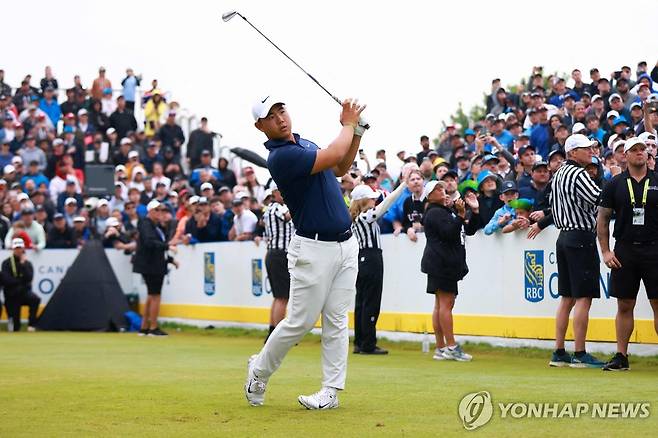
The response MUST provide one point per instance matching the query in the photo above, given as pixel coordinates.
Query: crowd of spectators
(508, 157)
(50, 134)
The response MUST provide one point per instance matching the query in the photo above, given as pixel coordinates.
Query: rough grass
(190, 384)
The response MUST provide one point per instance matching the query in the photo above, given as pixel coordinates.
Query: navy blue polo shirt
(315, 201)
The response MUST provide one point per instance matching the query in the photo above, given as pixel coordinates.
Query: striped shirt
(574, 198)
(278, 230)
(366, 230)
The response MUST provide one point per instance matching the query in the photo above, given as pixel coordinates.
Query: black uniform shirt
(617, 197)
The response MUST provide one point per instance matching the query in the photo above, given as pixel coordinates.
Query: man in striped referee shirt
(574, 199)
(278, 231)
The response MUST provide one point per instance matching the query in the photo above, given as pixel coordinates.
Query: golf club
(227, 16)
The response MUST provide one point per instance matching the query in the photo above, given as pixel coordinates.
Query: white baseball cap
(153, 204)
(596, 97)
(82, 112)
(102, 202)
(112, 222)
(429, 188)
(577, 127)
(110, 131)
(633, 141)
(612, 113)
(125, 140)
(241, 195)
(614, 96)
(648, 138)
(363, 191)
(16, 160)
(194, 200)
(120, 168)
(71, 201)
(79, 219)
(636, 105)
(576, 141)
(22, 196)
(206, 186)
(9, 168)
(17, 243)
(263, 105)
(132, 154)
(58, 141)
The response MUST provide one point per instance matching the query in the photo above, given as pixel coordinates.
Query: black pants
(130, 106)
(368, 301)
(13, 305)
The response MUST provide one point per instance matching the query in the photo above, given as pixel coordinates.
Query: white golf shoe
(254, 388)
(323, 399)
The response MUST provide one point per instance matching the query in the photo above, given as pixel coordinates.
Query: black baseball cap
(556, 152)
(525, 148)
(451, 173)
(509, 186)
(540, 164)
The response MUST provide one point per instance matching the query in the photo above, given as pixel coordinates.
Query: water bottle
(426, 343)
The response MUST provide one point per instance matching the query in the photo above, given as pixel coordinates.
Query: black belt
(324, 237)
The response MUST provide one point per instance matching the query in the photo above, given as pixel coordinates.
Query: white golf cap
(120, 168)
(82, 112)
(241, 195)
(612, 113)
(636, 105)
(429, 188)
(110, 131)
(125, 140)
(112, 222)
(153, 204)
(132, 154)
(206, 186)
(577, 127)
(614, 96)
(576, 141)
(194, 200)
(363, 191)
(648, 138)
(16, 160)
(102, 202)
(79, 219)
(22, 196)
(17, 243)
(633, 141)
(58, 141)
(138, 169)
(596, 97)
(9, 168)
(263, 105)
(71, 201)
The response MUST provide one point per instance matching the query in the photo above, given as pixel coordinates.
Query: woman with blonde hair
(370, 279)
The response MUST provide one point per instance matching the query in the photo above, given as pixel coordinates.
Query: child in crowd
(488, 199)
(505, 214)
(522, 208)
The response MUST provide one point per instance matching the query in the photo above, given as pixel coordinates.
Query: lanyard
(644, 193)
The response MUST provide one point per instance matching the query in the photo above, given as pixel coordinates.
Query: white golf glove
(361, 127)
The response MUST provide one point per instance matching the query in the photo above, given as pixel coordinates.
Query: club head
(226, 16)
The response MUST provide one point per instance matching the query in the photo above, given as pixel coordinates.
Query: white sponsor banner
(509, 276)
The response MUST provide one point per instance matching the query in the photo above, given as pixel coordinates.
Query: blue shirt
(539, 139)
(52, 110)
(315, 201)
(505, 138)
(493, 225)
(129, 88)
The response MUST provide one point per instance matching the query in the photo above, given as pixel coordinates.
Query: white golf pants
(322, 281)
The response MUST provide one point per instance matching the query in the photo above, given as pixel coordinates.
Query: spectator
(154, 110)
(17, 273)
(32, 153)
(23, 96)
(70, 105)
(114, 237)
(5, 89)
(97, 118)
(505, 214)
(227, 177)
(522, 208)
(538, 183)
(130, 84)
(122, 119)
(100, 84)
(205, 167)
(488, 199)
(81, 231)
(201, 139)
(34, 174)
(425, 145)
(255, 189)
(204, 226)
(59, 234)
(412, 208)
(171, 134)
(48, 104)
(108, 104)
(152, 156)
(33, 229)
(244, 222)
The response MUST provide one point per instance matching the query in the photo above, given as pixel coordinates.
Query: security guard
(633, 197)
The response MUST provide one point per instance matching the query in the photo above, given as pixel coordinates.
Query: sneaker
(376, 350)
(323, 399)
(585, 361)
(560, 360)
(31, 329)
(143, 332)
(438, 354)
(157, 332)
(619, 362)
(254, 388)
(456, 353)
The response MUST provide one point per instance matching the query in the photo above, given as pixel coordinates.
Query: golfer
(322, 255)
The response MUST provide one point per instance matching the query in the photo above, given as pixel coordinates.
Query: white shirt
(245, 223)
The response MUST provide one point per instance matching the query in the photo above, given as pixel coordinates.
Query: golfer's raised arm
(338, 152)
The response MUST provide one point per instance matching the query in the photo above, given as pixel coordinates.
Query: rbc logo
(534, 275)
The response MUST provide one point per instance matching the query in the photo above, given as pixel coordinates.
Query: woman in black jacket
(151, 261)
(444, 261)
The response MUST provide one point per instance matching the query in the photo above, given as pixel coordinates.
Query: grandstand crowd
(50, 134)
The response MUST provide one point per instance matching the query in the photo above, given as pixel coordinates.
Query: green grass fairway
(190, 384)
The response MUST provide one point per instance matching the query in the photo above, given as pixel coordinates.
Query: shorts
(276, 263)
(435, 283)
(578, 265)
(638, 262)
(153, 283)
